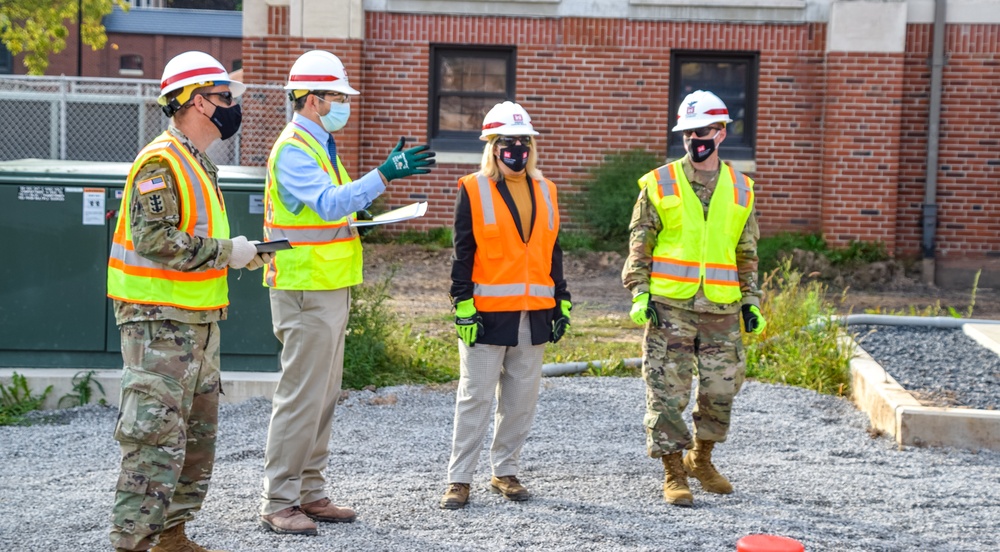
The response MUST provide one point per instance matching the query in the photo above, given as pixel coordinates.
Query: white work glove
(259, 260)
(243, 254)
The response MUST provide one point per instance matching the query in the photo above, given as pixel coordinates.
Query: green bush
(610, 192)
(770, 250)
(435, 238)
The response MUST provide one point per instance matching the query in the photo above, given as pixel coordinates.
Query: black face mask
(515, 157)
(227, 120)
(699, 149)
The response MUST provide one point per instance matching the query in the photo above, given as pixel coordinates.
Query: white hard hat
(195, 68)
(700, 109)
(507, 119)
(318, 70)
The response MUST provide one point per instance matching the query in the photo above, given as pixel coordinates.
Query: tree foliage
(38, 28)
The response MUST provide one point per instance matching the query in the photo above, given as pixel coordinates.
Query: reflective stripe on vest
(136, 279)
(692, 251)
(502, 261)
(326, 254)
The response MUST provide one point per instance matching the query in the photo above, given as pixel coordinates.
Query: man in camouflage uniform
(167, 276)
(692, 268)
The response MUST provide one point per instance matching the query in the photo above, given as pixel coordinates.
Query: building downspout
(930, 208)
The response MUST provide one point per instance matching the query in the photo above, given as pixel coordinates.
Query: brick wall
(841, 137)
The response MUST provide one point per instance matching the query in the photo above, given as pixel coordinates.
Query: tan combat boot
(174, 540)
(698, 464)
(675, 484)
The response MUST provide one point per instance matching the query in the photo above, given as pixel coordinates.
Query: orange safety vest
(508, 274)
(693, 250)
(136, 279)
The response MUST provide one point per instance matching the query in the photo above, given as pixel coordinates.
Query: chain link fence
(94, 119)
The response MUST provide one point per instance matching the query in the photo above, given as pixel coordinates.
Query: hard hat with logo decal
(189, 71)
(318, 70)
(700, 109)
(507, 119)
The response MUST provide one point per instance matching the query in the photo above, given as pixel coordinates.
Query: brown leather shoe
(457, 496)
(290, 521)
(324, 510)
(510, 488)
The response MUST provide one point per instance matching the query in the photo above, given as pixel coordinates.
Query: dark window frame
(6, 61)
(743, 150)
(454, 140)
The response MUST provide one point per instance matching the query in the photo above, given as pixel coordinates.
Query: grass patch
(17, 400)
(793, 350)
(435, 238)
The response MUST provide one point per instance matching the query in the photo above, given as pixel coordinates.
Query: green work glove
(364, 214)
(401, 164)
(468, 323)
(561, 322)
(753, 320)
(641, 311)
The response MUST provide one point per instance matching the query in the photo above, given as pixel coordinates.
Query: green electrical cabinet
(58, 218)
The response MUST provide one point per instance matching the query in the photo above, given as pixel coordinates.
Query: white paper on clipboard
(408, 212)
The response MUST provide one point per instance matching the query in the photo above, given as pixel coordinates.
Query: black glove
(364, 214)
(561, 322)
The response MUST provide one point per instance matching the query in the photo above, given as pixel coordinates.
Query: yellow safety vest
(508, 274)
(136, 279)
(690, 250)
(325, 254)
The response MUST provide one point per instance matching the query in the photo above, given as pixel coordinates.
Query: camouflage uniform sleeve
(643, 230)
(746, 261)
(155, 216)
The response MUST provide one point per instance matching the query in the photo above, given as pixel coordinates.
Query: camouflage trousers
(683, 344)
(166, 427)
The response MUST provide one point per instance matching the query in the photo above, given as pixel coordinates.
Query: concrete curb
(895, 411)
(236, 386)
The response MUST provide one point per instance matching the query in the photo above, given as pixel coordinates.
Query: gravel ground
(804, 465)
(943, 367)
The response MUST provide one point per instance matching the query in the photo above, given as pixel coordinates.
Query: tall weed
(794, 349)
(17, 400)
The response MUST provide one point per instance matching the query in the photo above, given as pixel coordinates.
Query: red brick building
(832, 100)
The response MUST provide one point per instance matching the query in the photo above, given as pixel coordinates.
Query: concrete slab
(896, 412)
(236, 386)
(988, 335)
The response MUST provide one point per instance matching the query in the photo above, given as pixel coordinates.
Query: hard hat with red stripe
(189, 71)
(507, 119)
(318, 70)
(700, 109)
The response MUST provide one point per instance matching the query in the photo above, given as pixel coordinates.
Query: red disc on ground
(768, 543)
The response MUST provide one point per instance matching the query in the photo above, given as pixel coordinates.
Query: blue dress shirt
(301, 182)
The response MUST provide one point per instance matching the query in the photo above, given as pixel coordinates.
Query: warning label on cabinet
(41, 193)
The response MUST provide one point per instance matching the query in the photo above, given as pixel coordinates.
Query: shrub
(610, 193)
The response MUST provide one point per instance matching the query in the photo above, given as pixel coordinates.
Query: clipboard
(272, 246)
(408, 212)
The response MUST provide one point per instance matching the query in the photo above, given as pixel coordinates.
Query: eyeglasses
(227, 97)
(337, 97)
(508, 141)
(700, 132)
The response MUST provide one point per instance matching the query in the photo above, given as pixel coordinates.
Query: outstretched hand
(402, 163)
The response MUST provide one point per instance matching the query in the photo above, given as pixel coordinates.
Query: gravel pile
(804, 466)
(944, 367)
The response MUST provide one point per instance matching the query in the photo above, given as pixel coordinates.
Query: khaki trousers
(513, 375)
(311, 326)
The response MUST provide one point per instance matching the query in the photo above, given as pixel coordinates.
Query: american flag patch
(151, 185)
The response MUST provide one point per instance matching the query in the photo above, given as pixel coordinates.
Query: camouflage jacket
(154, 219)
(646, 226)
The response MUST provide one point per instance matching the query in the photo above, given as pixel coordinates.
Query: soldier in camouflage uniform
(167, 276)
(692, 269)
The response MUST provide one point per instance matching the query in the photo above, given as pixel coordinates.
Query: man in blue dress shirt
(310, 200)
